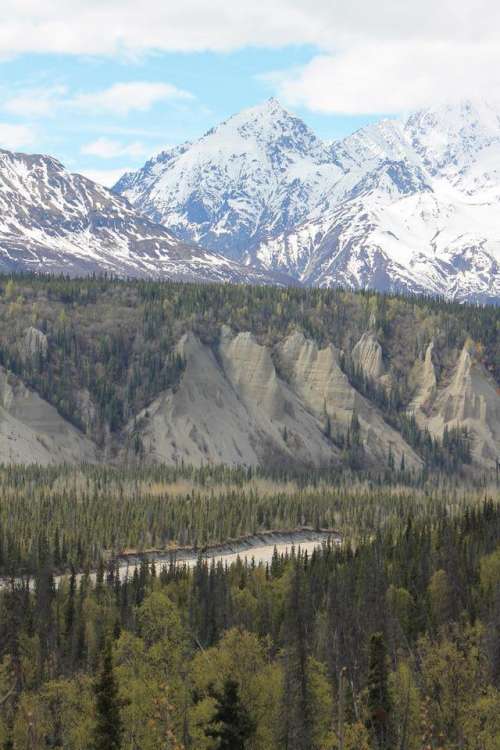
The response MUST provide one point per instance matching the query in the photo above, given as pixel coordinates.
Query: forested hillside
(158, 372)
(389, 641)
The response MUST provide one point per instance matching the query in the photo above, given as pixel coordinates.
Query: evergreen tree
(390, 459)
(379, 703)
(70, 621)
(231, 726)
(355, 429)
(297, 708)
(69, 614)
(108, 730)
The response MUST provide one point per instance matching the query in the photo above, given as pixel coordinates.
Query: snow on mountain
(56, 222)
(253, 175)
(408, 205)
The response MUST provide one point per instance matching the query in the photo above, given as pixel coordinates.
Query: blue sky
(96, 141)
(104, 84)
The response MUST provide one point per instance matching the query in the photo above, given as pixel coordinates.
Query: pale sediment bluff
(34, 344)
(423, 376)
(316, 375)
(231, 408)
(202, 420)
(469, 399)
(243, 403)
(32, 431)
(367, 356)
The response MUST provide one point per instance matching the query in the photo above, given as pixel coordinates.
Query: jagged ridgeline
(107, 371)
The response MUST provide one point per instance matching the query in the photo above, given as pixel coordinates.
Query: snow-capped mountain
(408, 205)
(253, 176)
(56, 222)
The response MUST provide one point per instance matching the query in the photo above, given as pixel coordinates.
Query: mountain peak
(266, 130)
(264, 119)
(271, 106)
(261, 167)
(54, 221)
(402, 204)
(30, 160)
(473, 113)
(272, 103)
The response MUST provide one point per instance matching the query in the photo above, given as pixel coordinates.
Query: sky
(105, 84)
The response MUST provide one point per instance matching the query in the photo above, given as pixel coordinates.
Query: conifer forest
(386, 636)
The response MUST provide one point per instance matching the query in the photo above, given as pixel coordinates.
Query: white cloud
(372, 56)
(111, 27)
(106, 177)
(392, 77)
(13, 137)
(126, 27)
(122, 98)
(35, 102)
(108, 148)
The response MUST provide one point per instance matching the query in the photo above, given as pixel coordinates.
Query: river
(258, 547)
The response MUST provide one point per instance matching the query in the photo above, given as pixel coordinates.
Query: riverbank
(258, 548)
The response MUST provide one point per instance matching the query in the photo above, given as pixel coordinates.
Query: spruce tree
(108, 730)
(69, 614)
(231, 725)
(379, 703)
(69, 622)
(297, 703)
(355, 429)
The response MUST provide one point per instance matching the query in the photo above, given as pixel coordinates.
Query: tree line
(389, 643)
(82, 516)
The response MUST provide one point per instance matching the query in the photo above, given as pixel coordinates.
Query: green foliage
(379, 703)
(297, 704)
(407, 612)
(109, 729)
(76, 517)
(231, 726)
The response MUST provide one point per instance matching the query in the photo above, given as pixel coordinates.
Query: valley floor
(390, 639)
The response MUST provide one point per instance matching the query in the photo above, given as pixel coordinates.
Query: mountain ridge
(258, 182)
(400, 205)
(54, 221)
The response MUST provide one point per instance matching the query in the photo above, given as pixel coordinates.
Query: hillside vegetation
(349, 378)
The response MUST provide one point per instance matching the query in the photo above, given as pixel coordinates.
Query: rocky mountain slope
(408, 205)
(101, 371)
(53, 221)
(255, 175)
